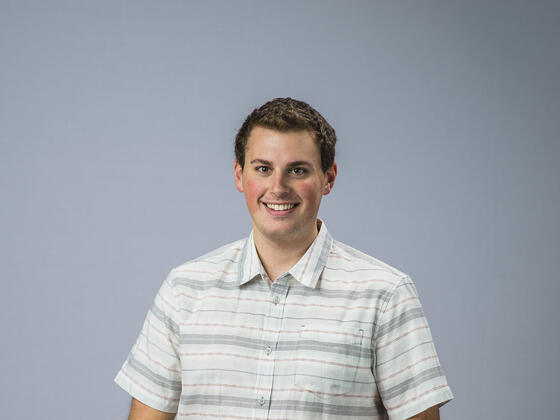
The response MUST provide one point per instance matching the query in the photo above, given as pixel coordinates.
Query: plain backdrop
(117, 121)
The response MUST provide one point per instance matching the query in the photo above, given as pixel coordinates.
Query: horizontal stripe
(214, 272)
(221, 416)
(156, 362)
(356, 270)
(295, 291)
(162, 333)
(268, 360)
(228, 313)
(401, 302)
(153, 377)
(406, 368)
(423, 394)
(188, 325)
(399, 321)
(339, 293)
(395, 356)
(291, 375)
(153, 345)
(268, 300)
(219, 261)
(167, 321)
(401, 337)
(279, 404)
(280, 346)
(254, 388)
(413, 382)
(144, 388)
(357, 281)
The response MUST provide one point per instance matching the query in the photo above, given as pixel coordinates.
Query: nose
(279, 186)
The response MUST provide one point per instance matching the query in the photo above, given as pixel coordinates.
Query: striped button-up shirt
(341, 335)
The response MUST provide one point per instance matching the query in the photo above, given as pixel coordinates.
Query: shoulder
(219, 262)
(360, 268)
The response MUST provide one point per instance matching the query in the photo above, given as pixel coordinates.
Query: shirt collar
(306, 271)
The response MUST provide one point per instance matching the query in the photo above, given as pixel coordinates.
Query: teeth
(280, 206)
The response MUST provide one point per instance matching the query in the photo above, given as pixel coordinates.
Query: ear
(330, 177)
(238, 174)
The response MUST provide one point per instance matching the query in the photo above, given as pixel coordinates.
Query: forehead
(265, 143)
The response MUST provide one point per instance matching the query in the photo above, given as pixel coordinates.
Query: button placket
(271, 331)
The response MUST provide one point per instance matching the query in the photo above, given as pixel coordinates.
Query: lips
(280, 207)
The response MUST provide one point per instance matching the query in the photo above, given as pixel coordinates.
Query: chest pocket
(328, 359)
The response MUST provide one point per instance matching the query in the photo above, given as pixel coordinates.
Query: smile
(280, 207)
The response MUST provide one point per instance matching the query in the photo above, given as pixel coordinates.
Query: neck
(278, 256)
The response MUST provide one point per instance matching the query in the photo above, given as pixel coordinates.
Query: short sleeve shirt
(341, 335)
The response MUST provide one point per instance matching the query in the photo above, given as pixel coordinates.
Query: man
(288, 323)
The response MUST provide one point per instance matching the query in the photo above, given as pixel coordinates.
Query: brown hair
(287, 114)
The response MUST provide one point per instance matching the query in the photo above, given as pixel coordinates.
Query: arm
(431, 413)
(139, 411)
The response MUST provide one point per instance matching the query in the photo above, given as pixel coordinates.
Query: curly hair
(287, 114)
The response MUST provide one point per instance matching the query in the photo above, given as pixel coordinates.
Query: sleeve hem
(143, 396)
(438, 398)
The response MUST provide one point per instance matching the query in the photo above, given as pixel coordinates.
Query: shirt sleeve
(152, 372)
(407, 369)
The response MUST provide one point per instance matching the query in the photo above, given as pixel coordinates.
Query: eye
(298, 171)
(262, 169)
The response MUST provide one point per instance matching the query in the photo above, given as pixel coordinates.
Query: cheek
(253, 191)
(310, 191)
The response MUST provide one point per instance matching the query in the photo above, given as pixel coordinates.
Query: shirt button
(276, 299)
(261, 400)
(268, 350)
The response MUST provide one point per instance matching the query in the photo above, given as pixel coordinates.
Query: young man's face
(283, 184)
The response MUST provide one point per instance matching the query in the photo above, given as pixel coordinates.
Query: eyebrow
(295, 163)
(262, 161)
(300, 163)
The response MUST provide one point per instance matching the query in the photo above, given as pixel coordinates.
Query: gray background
(116, 126)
